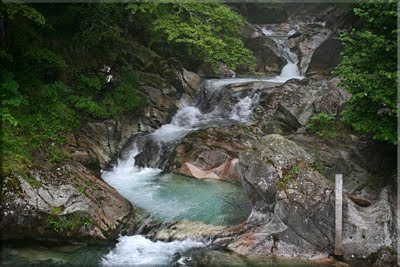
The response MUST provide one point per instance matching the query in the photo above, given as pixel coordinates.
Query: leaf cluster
(206, 31)
(323, 125)
(369, 71)
(51, 83)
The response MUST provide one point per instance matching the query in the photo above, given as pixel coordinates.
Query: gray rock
(67, 203)
(293, 208)
(325, 57)
(368, 229)
(285, 109)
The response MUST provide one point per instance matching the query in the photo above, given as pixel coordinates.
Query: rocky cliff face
(68, 201)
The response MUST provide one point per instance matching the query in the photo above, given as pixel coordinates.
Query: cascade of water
(290, 70)
(167, 198)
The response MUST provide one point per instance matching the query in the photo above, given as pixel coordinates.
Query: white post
(338, 214)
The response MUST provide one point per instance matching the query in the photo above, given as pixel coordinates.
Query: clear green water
(172, 197)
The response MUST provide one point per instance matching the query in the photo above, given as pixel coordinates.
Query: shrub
(323, 125)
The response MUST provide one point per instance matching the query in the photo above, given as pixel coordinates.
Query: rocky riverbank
(285, 167)
(68, 201)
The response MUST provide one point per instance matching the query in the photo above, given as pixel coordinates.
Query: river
(168, 197)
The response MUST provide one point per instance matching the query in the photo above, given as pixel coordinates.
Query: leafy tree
(369, 71)
(49, 76)
(207, 31)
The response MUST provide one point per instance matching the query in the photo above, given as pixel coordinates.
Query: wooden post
(338, 214)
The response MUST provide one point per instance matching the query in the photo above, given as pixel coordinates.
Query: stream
(170, 197)
(138, 176)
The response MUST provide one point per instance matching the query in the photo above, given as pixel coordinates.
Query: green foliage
(82, 189)
(206, 31)
(323, 125)
(290, 175)
(102, 28)
(369, 71)
(11, 10)
(56, 210)
(32, 181)
(71, 222)
(50, 80)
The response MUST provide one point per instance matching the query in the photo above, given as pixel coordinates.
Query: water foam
(243, 109)
(138, 250)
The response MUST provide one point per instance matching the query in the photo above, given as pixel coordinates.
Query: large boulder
(287, 108)
(64, 203)
(268, 61)
(211, 153)
(325, 57)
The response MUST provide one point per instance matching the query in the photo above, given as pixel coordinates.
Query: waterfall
(290, 70)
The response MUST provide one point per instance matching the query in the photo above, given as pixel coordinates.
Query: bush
(369, 71)
(323, 125)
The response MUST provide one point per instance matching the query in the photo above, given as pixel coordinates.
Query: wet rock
(368, 229)
(154, 154)
(307, 45)
(267, 60)
(257, 168)
(186, 230)
(311, 31)
(285, 193)
(224, 71)
(352, 157)
(332, 102)
(211, 153)
(206, 70)
(192, 79)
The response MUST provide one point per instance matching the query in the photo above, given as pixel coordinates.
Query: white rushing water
(138, 250)
(290, 70)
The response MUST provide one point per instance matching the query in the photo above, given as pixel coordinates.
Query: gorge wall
(286, 171)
